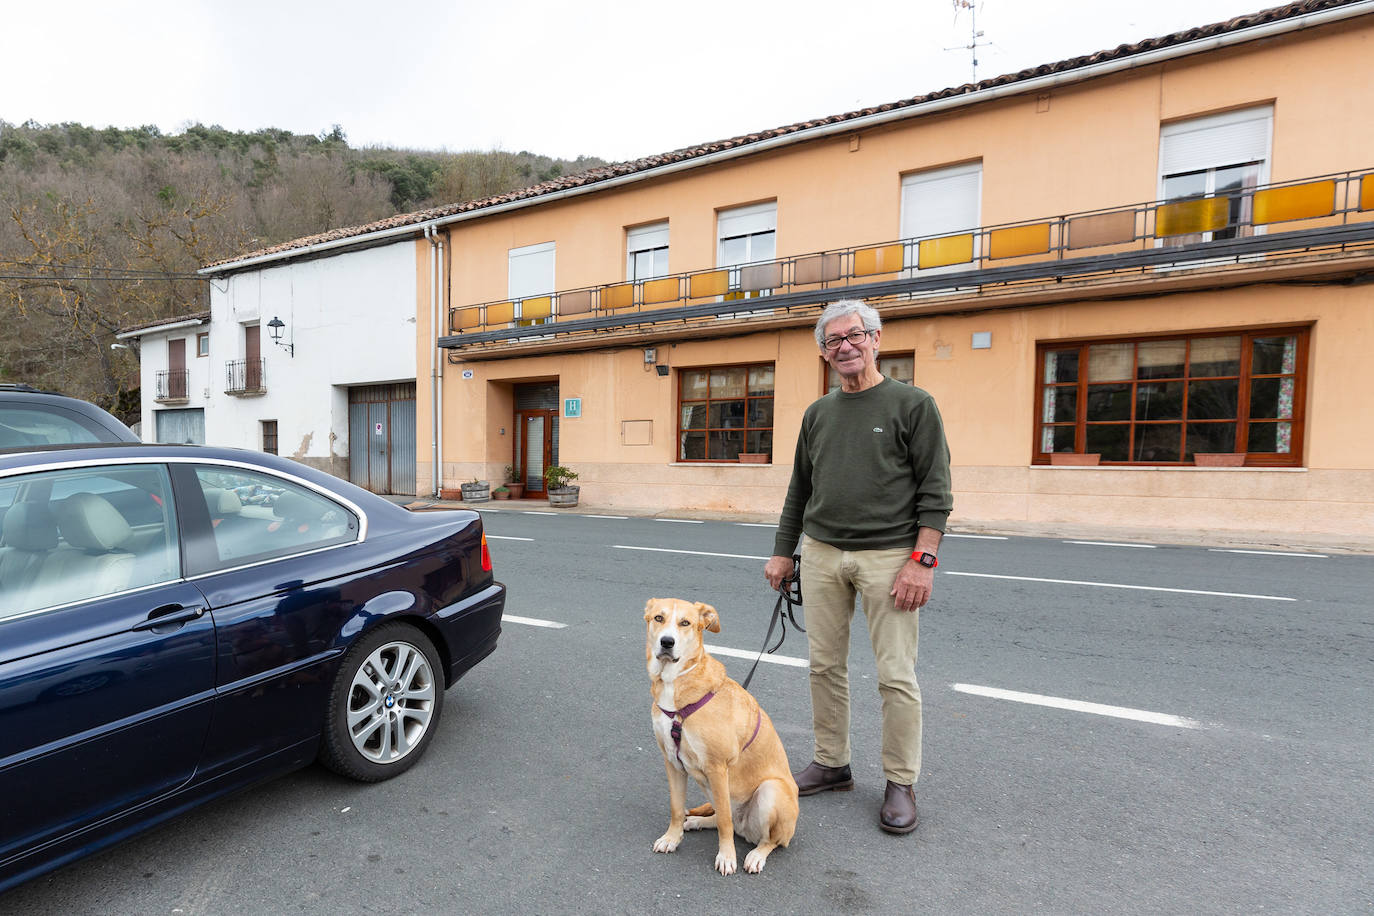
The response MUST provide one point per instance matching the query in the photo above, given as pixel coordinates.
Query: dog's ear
(709, 618)
(649, 607)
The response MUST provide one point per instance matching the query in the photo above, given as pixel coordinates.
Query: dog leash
(789, 593)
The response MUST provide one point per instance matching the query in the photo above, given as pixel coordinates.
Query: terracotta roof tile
(615, 170)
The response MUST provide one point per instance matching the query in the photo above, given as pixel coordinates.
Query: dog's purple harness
(677, 715)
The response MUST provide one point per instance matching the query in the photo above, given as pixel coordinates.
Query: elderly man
(869, 497)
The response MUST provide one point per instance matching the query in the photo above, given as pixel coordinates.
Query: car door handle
(170, 614)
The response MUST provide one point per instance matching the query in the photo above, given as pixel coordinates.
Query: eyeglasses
(855, 337)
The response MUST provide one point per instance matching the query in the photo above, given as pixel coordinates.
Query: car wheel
(384, 705)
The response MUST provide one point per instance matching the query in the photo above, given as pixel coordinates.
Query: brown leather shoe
(898, 814)
(817, 777)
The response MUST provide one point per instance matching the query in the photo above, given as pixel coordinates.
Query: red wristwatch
(928, 560)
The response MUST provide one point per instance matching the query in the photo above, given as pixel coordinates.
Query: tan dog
(711, 729)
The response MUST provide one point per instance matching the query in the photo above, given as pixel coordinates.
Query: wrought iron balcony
(172, 386)
(1145, 239)
(245, 377)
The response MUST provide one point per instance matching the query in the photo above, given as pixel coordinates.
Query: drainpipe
(436, 359)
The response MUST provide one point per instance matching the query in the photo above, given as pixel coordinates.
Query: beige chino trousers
(831, 580)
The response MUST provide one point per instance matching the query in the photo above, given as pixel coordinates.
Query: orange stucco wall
(1087, 146)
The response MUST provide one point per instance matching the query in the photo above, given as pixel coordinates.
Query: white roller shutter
(941, 201)
(1212, 142)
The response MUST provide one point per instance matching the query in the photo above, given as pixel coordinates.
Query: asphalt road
(1226, 766)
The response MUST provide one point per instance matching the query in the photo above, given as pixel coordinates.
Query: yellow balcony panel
(1367, 192)
(1300, 201)
(714, 283)
(500, 313)
(1019, 241)
(1102, 229)
(665, 290)
(578, 302)
(952, 249)
(818, 268)
(539, 307)
(466, 319)
(1185, 217)
(884, 259)
(620, 296)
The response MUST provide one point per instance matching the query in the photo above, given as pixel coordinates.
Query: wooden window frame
(746, 429)
(827, 369)
(1245, 380)
(269, 436)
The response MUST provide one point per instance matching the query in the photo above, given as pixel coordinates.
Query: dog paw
(697, 823)
(725, 863)
(753, 863)
(667, 842)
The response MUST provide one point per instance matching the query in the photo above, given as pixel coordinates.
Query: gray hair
(844, 307)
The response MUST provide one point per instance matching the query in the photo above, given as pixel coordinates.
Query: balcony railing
(245, 377)
(172, 386)
(1190, 227)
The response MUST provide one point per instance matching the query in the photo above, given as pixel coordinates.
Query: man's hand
(777, 569)
(913, 588)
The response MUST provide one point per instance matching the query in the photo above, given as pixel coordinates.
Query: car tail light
(486, 554)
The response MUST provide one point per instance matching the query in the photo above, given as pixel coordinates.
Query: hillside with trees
(104, 228)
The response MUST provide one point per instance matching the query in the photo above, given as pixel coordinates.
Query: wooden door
(176, 368)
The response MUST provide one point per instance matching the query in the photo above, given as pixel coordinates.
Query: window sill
(1157, 467)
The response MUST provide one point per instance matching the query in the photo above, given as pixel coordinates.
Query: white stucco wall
(351, 318)
(153, 358)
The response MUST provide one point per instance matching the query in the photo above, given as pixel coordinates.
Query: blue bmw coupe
(177, 622)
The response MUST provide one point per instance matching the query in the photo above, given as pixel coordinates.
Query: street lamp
(275, 327)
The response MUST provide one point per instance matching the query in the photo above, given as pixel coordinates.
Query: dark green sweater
(871, 467)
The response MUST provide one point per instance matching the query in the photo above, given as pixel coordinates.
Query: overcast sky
(603, 78)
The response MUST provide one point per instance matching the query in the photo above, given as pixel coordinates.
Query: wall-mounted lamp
(275, 327)
(662, 370)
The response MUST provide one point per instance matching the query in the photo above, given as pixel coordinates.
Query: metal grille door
(381, 437)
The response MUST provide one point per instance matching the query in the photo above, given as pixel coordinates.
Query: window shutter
(531, 271)
(747, 220)
(1220, 140)
(941, 201)
(643, 238)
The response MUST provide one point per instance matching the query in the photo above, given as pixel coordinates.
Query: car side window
(82, 533)
(32, 426)
(256, 516)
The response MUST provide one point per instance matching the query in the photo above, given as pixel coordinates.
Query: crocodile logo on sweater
(877, 429)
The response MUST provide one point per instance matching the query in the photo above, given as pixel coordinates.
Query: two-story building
(1117, 274)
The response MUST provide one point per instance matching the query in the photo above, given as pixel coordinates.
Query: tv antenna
(973, 34)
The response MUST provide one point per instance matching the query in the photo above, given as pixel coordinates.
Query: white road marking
(1268, 553)
(1142, 588)
(1097, 709)
(979, 537)
(771, 659)
(755, 525)
(619, 517)
(506, 537)
(1111, 544)
(534, 622)
(695, 553)
(533, 512)
(680, 521)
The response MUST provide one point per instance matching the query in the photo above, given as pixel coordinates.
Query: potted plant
(451, 493)
(476, 491)
(560, 488)
(1079, 459)
(1219, 459)
(515, 486)
(501, 492)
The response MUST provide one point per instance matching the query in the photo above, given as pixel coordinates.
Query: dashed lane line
(1268, 553)
(1140, 588)
(1097, 709)
(1111, 544)
(534, 622)
(695, 553)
